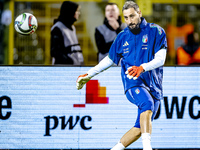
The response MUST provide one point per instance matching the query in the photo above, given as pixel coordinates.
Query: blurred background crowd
(179, 18)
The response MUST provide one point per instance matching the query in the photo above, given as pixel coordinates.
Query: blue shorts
(143, 100)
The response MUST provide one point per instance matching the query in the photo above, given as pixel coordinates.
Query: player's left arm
(160, 51)
(159, 60)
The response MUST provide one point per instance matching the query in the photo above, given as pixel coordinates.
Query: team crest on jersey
(156, 26)
(137, 91)
(145, 38)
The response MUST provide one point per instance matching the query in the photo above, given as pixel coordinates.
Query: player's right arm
(103, 65)
(106, 63)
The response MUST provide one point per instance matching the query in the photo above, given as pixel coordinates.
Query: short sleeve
(161, 41)
(114, 53)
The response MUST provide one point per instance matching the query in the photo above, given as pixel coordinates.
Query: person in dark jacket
(105, 34)
(189, 53)
(65, 48)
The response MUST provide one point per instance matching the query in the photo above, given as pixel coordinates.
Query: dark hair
(191, 38)
(111, 4)
(68, 8)
(107, 4)
(67, 12)
(130, 4)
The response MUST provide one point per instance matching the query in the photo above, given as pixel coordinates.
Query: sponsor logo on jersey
(125, 44)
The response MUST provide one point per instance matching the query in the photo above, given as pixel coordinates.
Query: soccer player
(142, 49)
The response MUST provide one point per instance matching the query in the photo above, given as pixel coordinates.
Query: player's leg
(131, 136)
(145, 103)
(146, 128)
(141, 99)
(149, 109)
(145, 121)
(142, 127)
(134, 133)
(147, 117)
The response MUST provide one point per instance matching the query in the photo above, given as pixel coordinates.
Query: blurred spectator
(105, 34)
(65, 48)
(5, 20)
(6, 17)
(189, 53)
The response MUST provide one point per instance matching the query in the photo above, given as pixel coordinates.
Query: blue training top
(136, 49)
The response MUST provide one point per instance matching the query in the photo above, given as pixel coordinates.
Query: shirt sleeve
(103, 65)
(158, 61)
(114, 52)
(161, 41)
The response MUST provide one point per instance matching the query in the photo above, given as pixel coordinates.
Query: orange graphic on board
(95, 94)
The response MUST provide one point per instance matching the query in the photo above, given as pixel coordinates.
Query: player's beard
(135, 27)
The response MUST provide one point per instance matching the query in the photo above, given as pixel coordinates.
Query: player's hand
(134, 72)
(82, 80)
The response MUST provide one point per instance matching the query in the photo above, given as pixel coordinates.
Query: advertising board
(40, 108)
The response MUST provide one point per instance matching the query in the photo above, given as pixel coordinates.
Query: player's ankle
(146, 141)
(118, 146)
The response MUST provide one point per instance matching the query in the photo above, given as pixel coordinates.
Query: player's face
(112, 11)
(132, 18)
(77, 13)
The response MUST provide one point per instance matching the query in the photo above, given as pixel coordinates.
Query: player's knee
(137, 125)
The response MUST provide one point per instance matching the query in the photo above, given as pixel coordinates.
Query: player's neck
(135, 31)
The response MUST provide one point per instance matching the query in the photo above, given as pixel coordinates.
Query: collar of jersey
(143, 23)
